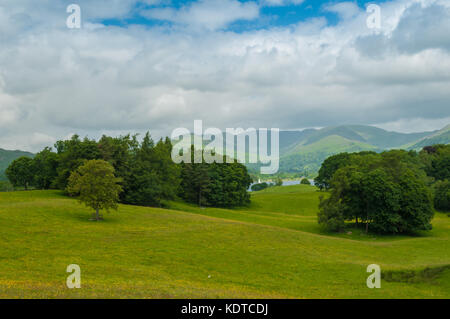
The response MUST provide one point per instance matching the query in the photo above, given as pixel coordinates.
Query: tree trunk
(367, 218)
(367, 224)
(357, 222)
(97, 215)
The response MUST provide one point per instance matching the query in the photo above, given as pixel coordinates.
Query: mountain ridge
(303, 151)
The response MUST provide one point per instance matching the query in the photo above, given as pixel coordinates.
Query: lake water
(286, 183)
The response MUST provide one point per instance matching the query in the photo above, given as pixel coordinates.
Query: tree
(196, 182)
(442, 195)
(259, 187)
(96, 186)
(436, 160)
(20, 172)
(329, 167)
(153, 175)
(233, 191)
(335, 162)
(305, 181)
(71, 155)
(217, 184)
(278, 182)
(386, 192)
(45, 165)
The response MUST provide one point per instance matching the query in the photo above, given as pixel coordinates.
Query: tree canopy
(20, 172)
(387, 192)
(146, 172)
(96, 185)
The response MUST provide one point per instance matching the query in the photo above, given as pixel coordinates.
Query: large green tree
(71, 155)
(153, 177)
(215, 184)
(386, 192)
(45, 165)
(442, 195)
(436, 159)
(96, 185)
(20, 172)
(329, 167)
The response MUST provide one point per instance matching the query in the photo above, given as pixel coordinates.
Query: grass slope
(272, 249)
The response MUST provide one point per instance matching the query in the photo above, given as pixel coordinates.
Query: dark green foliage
(217, 184)
(436, 159)
(442, 195)
(71, 155)
(330, 215)
(259, 187)
(305, 181)
(386, 192)
(329, 167)
(153, 176)
(45, 165)
(228, 187)
(6, 158)
(145, 171)
(20, 172)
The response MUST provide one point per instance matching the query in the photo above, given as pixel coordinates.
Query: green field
(272, 249)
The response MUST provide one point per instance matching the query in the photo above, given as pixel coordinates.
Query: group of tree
(436, 160)
(144, 172)
(259, 186)
(305, 181)
(223, 184)
(387, 192)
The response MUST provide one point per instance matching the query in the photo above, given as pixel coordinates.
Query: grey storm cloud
(113, 80)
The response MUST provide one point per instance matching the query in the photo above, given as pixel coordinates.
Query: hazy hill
(368, 134)
(303, 152)
(439, 137)
(6, 157)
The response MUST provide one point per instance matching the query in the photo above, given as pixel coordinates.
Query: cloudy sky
(137, 65)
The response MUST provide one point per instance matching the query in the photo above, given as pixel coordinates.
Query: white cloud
(415, 125)
(113, 80)
(278, 3)
(207, 14)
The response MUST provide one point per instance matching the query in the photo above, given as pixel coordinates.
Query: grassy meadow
(272, 249)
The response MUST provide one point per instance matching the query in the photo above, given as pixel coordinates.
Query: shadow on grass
(351, 231)
(428, 275)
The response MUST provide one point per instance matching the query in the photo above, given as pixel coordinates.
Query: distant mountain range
(302, 152)
(6, 157)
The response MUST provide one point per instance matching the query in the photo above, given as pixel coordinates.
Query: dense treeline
(146, 172)
(389, 192)
(218, 184)
(436, 160)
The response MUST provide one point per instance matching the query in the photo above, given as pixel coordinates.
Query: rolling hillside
(272, 249)
(6, 157)
(440, 137)
(302, 153)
